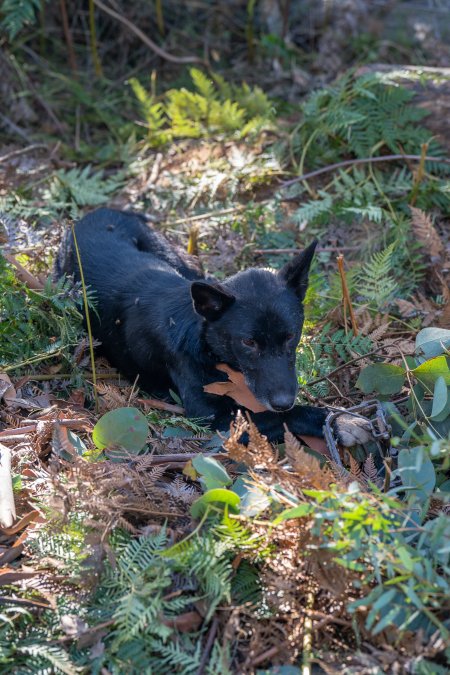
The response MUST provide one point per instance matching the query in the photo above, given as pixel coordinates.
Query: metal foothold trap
(372, 412)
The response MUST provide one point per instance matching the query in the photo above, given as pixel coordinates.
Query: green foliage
(37, 325)
(323, 351)
(16, 14)
(69, 190)
(359, 114)
(123, 427)
(375, 280)
(213, 108)
(431, 374)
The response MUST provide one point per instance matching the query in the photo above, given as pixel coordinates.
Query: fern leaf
(426, 233)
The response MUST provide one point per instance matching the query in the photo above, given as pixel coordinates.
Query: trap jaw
(372, 412)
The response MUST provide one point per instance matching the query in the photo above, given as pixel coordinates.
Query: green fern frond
(17, 14)
(376, 281)
(312, 210)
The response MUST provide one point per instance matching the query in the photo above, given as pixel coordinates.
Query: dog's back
(112, 241)
(133, 274)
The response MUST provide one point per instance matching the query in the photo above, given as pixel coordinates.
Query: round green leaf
(417, 471)
(429, 371)
(441, 403)
(432, 341)
(218, 495)
(383, 378)
(124, 427)
(212, 472)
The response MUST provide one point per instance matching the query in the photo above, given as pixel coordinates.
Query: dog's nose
(281, 402)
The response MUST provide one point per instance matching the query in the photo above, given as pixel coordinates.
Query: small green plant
(213, 108)
(17, 15)
(69, 190)
(37, 325)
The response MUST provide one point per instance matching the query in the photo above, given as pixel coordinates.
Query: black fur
(160, 319)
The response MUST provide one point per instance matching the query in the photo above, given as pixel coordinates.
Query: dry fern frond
(370, 470)
(355, 468)
(426, 233)
(306, 465)
(258, 454)
(180, 490)
(111, 397)
(378, 333)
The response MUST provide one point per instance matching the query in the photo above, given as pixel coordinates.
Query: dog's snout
(281, 402)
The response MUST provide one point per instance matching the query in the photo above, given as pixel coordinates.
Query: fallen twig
(208, 645)
(22, 151)
(365, 160)
(319, 249)
(146, 40)
(31, 426)
(346, 294)
(162, 405)
(24, 275)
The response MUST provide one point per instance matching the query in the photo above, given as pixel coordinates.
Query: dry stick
(205, 216)
(67, 376)
(319, 249)
(346, 294)
(23, 151)
(68, 37)
(162, 405)
(24, 275)
(365, 160)
(265, 656)
(349, 363)
(208, 646)
(146, 40)
(32, 424)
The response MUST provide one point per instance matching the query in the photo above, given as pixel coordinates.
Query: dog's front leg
(301, 420)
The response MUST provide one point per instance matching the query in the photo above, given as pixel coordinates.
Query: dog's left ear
(210, 300)
(295, 273)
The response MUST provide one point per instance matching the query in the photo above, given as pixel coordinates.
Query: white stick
(7, 506)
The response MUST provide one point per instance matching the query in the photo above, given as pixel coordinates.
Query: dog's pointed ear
(295, 272)
(210, 300)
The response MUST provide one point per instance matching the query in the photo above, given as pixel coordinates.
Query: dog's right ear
(295, 273)
(210, 301)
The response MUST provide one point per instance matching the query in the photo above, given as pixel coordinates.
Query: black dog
(160, 319)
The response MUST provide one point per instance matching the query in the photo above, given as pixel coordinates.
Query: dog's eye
(248, 342)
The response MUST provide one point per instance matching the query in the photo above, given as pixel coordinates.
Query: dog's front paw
(352, 430)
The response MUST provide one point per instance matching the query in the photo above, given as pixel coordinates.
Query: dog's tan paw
(351, 430)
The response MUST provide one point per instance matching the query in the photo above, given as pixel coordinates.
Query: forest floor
(183, 551)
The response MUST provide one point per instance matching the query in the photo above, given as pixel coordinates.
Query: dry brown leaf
(426, 232)
(236, 388)
(184, 623)
(406, 308)
(7, 391)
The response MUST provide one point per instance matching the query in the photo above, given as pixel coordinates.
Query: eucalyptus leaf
(429, 371)
(212, 473)
(432, 341)
(124, 427)
(416, 471)
(441, 402)
(383, 378)
(218, 496)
